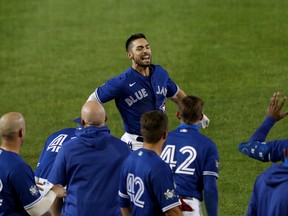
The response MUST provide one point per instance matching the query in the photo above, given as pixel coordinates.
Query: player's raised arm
(256, 147)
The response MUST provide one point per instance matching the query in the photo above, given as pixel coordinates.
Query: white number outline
(131, 181)
(183, 168)
(168, 155)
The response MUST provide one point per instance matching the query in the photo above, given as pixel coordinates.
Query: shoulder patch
(169, 194)
(34, 190)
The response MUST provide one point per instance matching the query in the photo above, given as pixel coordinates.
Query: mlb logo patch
(169, 194)
(34, 190)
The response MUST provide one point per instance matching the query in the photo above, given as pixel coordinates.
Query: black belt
(139, 139)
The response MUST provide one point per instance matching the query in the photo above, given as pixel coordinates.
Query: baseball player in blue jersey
(19, 194)
(146, 182)
(89, 165)
(193, 159)
(257, 147)
(51, 148)
(141, 88)
(46, 160)
(269, 196)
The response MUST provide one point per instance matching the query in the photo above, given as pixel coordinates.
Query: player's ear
(83, 122)
(20, 133)
(130, 55)
(178, 115)
(106, 118)
(201, 116)
(165, 134)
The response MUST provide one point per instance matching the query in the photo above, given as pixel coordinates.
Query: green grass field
(231, 53)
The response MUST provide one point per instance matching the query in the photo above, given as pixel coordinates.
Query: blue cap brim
(78, 120)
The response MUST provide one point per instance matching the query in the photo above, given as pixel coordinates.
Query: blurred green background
(231, 53)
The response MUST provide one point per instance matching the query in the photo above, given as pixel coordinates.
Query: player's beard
(143, 62)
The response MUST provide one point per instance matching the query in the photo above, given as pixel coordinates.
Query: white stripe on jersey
(210, 173)
(123, 195)
(32, 204)
(166, 208)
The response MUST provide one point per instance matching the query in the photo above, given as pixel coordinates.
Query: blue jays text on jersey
(135, 94)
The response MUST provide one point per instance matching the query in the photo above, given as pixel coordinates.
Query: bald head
(11, 124)
(93, 113)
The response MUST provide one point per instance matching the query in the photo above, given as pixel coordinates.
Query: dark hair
(132, 38)
(153, 126)
(190, 109)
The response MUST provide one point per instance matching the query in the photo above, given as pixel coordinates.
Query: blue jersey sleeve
(211, 195)
(172, 88)
(261, 133)
(25, 186)
(258, 149)
(123, 197)
(110, 90)
(211, 166)
(163, 185)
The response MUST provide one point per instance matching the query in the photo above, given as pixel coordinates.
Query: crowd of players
(149, 171)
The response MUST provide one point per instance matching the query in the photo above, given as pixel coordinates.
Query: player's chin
(146, 64)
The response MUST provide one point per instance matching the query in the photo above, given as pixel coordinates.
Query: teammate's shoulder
(118, 143)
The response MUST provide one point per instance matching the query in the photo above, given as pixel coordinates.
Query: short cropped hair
(132, 38)
(153, 126)
(190, 109)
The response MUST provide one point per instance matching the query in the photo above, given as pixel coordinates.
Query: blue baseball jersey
(135, 94)
(191, 155)
(269, 196)
(146, 184)
(18, 191)
(51, 148)
(89, 166)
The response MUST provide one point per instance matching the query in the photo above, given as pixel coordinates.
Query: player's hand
(205, 121)
(275, 107)
(59, 190)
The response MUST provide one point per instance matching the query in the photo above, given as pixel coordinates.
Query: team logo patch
(169, 194)
(34, 190)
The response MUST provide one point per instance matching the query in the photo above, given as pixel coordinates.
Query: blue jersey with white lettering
(146, 184)
(52, 146)
(135, 94)
(89, 166)
(191, 155)
(18, 191)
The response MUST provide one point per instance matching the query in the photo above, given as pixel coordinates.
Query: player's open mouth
(147, 58)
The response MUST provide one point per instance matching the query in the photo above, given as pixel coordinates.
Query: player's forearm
(126, 211)
(173, 212)
(43, 205)
(181, 94)
(261, 133)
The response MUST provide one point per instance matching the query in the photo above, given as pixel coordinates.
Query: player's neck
(145, 71)
(157, 147)
(10, 147)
